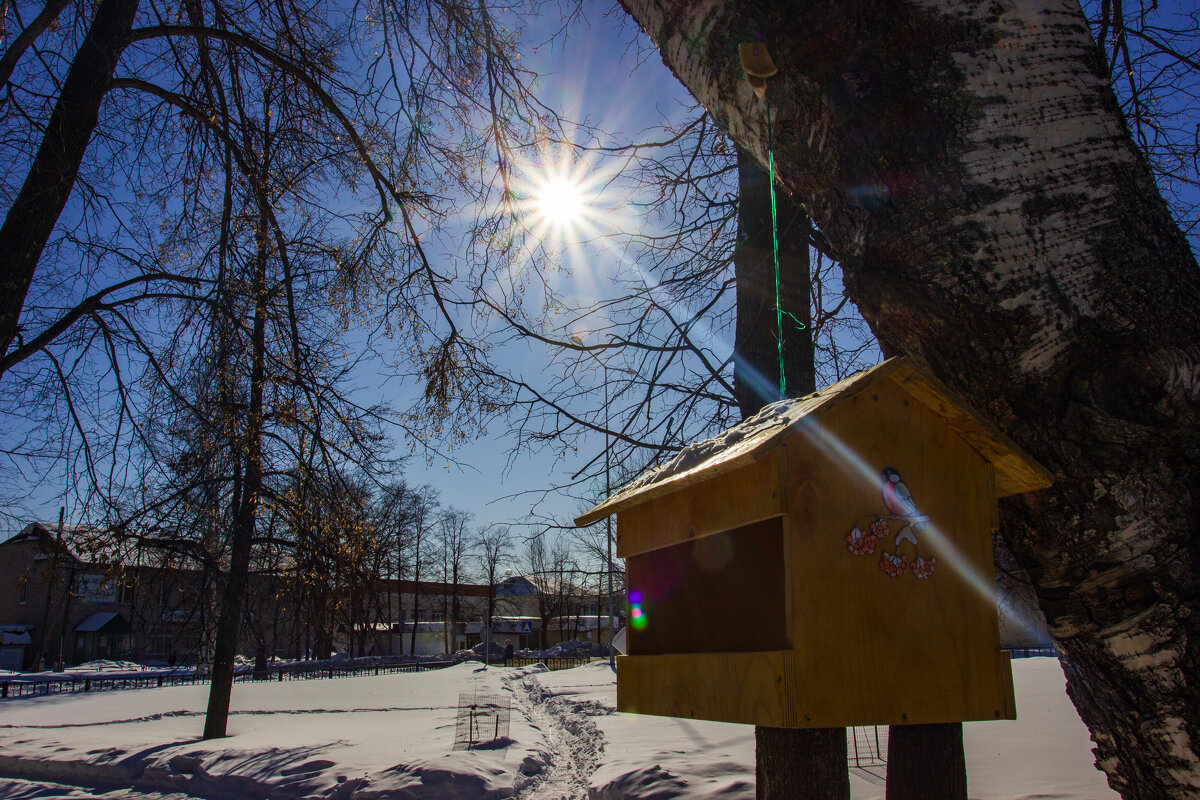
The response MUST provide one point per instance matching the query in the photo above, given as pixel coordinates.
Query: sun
(560, 201)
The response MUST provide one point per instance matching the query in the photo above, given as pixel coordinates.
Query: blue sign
(526, 628)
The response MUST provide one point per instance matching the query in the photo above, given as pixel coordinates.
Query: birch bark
(969, 164)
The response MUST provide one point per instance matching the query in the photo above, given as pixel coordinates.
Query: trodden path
(576, 742)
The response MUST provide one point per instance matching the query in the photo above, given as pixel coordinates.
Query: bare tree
(424, 514)
(393, 516)
(115, 120)
(1153, 60)
(551, 567)
(454, 544)
(492, 548)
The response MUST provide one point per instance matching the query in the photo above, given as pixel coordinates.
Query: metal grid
(866, 749)
(482, 720)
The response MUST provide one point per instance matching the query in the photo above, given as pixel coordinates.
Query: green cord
(775, 251)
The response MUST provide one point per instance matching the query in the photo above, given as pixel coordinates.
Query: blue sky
(594, 76)
(601, 75)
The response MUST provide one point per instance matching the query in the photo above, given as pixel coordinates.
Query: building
(77, 595)
(73, 595)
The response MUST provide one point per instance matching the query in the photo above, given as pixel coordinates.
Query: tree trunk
(970, 168)
(926, 762)
(786, 761)
(800, 764)
(756, 364)
(51, 177)
(233, 598)
(412, 639)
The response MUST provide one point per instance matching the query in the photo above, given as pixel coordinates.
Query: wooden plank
(1016, 470)
(876, 649)
(718, 593)
(730, 687)
(747, 495)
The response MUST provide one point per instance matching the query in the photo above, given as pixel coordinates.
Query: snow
(393, 737)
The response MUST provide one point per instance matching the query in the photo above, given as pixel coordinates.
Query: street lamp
(577, 339)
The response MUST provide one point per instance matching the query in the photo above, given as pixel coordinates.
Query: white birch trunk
(995, 221)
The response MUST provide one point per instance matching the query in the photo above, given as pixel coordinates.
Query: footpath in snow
(393, 737)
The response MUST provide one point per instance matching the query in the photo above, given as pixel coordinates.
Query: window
(97, 588)
(160, 645)
(23, 591)
(125, 591)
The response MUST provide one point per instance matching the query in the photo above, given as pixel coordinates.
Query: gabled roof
(88, 545)
(743, 444)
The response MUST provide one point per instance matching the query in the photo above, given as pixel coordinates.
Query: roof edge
(820, 400)
(1016, 471)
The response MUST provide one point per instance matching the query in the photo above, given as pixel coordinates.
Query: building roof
(100, 547)
(438, 588)
(743, 444)
(516, 586)
(15, 635)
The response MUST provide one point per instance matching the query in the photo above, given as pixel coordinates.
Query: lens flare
(637, 615)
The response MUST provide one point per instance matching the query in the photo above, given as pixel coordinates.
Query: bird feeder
(826, 563)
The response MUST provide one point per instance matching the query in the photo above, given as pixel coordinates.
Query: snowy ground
(393, 737)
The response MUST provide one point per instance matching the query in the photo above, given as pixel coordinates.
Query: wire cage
(483, 721)
(866, 752)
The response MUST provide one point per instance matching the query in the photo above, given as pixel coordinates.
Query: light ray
(982, 585)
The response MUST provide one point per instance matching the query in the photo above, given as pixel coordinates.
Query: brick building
(78, 595)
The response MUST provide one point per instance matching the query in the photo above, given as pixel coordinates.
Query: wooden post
(926, 762)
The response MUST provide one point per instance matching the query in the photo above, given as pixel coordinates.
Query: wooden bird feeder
(826, 563)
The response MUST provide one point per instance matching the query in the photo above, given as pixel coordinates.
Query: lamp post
(607, 520)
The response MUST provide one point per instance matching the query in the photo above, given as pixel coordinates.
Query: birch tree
(969, 167)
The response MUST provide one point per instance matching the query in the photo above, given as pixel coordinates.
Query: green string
(775, 250)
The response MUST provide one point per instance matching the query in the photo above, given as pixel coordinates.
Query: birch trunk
(969, 164)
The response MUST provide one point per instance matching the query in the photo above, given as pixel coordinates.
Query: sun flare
(561, 201)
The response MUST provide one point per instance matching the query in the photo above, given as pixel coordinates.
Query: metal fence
(1031, 652)
(551, 663)
(39, 687)
(866, 752)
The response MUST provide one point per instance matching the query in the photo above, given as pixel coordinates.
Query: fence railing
(568, 663)
(555, 663)
(1031, 652)
(12, 688)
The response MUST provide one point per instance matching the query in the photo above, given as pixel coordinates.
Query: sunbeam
(835, 449)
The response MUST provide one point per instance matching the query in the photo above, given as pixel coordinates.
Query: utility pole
(608, 538)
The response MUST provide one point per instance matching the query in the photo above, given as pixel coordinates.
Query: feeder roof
(1016, 471)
